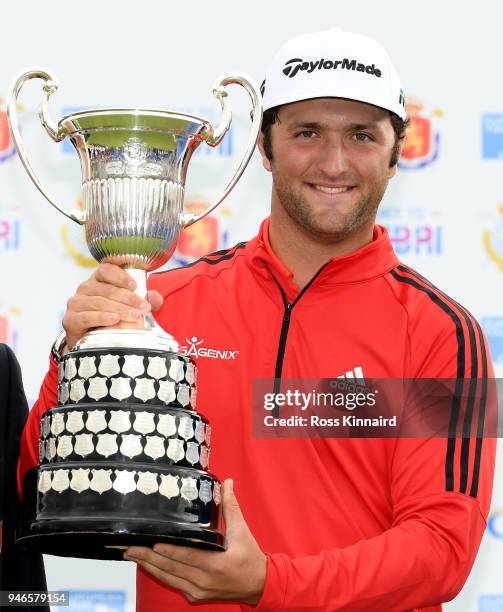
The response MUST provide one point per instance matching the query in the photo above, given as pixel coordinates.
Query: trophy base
(91, 525)
(106, 539)
(123, 456)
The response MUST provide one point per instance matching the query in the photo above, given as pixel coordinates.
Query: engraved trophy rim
(65, 123)
(127, 338)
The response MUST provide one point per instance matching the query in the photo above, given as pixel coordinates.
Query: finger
(78, 325)
(92, 287)
(186, 587)
(100, 304)
(233, 516)
(155, 299)
(165, 564)
(89, 319)
(113, 275)
(193, 557)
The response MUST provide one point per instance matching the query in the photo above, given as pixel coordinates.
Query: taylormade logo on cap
(293, 66)
(333, 64)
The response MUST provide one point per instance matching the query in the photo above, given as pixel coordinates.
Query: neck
(302, 252)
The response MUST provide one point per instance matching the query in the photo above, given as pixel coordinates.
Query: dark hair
(271, 116)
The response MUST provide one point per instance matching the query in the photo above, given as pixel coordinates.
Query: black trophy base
(93, 525)
(108, 539)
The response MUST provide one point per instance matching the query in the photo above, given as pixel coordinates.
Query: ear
(393, 169)
(260, 144)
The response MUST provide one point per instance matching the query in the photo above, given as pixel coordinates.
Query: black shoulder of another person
(19, 570)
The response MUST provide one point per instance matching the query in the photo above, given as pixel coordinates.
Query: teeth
(331, 189)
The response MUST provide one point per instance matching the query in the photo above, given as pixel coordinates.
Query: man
(321, 524)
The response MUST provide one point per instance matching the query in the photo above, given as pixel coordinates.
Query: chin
(328, 230)
(329, 222)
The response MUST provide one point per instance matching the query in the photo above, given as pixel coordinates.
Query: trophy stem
(145, 333)
(140, 278)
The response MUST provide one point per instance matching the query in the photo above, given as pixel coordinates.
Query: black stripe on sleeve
(218, 256)
(211, 258)
(480, 424)
(453, 421)
(474, 381)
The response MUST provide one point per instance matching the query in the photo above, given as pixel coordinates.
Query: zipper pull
(288, 310)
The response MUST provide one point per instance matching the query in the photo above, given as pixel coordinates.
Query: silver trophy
(124, 456)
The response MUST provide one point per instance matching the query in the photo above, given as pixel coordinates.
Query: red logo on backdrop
(419, 138)
(422, 144)
(4, 329)
(9, 326)
(202, 237)
(7, 148)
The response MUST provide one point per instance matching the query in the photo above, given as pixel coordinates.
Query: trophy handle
(51, 127)
(214, 135)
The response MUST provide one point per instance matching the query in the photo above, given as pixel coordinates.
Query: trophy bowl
(134, 166)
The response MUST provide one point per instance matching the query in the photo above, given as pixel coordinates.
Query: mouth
(331, 191)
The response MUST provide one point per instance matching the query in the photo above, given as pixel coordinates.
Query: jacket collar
(371, 261)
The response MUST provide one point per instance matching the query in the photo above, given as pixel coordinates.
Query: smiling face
(330, 165)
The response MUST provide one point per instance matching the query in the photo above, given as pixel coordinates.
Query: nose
(333, 158)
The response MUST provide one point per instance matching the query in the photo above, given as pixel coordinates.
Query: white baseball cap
(333, 64)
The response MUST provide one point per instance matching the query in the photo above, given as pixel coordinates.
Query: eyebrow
(371, 125)
(315, 125)
(306, 125)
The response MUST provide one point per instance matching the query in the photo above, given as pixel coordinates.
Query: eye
(306, 134)
(362, 137)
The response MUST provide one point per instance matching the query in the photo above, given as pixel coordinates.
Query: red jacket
(347, 524)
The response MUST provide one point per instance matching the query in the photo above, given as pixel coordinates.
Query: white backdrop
(444, 210)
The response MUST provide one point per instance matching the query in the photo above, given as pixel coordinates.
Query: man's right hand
(106, 299)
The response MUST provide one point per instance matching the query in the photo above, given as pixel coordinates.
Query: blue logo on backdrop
(416, 239)
(495, 524)
(97, 601)
(9, 234)
(412, 231)
(492, 136)
(493, 327)
(491, 603)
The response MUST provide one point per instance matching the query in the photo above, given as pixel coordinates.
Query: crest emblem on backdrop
(422, 144)
(7, 147)
(493, 240)
(201, 238)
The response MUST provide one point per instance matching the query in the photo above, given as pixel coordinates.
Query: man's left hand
(238, 574)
